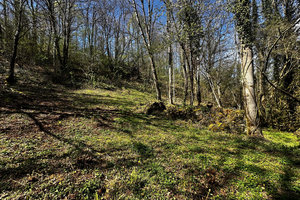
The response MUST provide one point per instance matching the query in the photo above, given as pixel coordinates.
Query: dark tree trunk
(155, 79)
(186, 78)
(171, 84)
(261, 88)
(191, 74)
(146, 34)
(198, 94)
(1, 38)
(18, 14)
(4, 34)
(11, 78)
(287, 82)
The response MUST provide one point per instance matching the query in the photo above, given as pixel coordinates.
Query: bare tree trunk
(191, 74)
(237, 102)
(34, 42)
(252, 117)
(117, 39)
(50, 7)
(1, 38)
(11, 79)
(155, 79)
(174, 94)
(186, 79)
(219, 94)
(198, 93)
(261, 86)
(146, 34)
(67, 32)
(49, 41)
(171, 84)
(212, 87)
(170, 53)
(54, 58)
(239, 94)
(18, 15)
(5, 23)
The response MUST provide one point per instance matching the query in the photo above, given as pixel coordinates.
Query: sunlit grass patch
(283, 138)
(119, 98)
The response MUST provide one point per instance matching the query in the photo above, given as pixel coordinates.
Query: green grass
(119, 153)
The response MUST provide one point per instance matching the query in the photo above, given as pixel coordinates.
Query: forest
(149, 99)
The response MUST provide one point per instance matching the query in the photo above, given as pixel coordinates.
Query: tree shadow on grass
(143, 150)
(44, 107)
(285, 191)
(82, 157)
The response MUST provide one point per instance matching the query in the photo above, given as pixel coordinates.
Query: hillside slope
(58, 143)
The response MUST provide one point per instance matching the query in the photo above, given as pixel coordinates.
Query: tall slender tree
(170, 50)
(146, 22)
(242, 11)
(19, 18)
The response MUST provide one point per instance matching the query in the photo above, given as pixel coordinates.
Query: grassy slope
(94, 144)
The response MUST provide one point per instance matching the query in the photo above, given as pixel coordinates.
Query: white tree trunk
(253, 125)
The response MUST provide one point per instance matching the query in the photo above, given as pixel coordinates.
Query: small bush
(179, 112)
(216, 119)
(155, 108)
(280, 117)
(229, 120)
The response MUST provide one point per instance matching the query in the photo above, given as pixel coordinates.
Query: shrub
(216, 119)
(229, 120)
(180, 112)
(155, 108)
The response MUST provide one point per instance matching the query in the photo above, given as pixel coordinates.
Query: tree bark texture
(251, 111)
